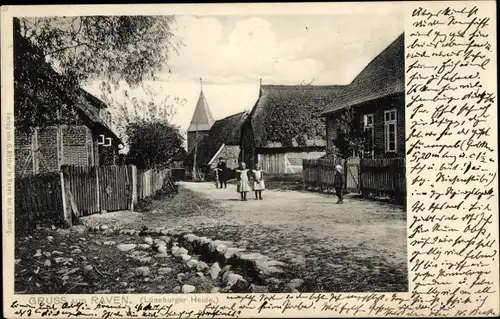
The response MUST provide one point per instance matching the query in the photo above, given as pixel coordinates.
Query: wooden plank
(66, 212)
(36, 200)
(116, 182)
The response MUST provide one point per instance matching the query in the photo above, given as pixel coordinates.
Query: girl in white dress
(258, 181)
(243, 181)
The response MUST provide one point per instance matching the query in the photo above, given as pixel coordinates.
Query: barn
(223, 140)
(285, 126)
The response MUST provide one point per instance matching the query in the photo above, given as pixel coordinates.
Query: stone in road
(356, 246)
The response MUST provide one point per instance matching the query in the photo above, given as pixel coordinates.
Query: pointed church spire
(202, 118)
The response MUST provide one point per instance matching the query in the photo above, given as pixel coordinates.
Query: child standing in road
(243, 186)
(258, 181)
(338, 183)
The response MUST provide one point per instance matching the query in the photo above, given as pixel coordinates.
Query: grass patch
(165, 193)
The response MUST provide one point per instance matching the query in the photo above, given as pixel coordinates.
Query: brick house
(85, 142)
(84, 136)
(377, 97)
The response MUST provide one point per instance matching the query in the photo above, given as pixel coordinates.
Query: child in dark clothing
(338, 183)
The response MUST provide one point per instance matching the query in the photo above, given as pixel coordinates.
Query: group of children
(250, 179)
(253, 179)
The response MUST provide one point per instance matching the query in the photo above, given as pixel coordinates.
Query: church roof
(226, 131)
(202, 118)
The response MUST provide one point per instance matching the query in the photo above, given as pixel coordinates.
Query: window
(368, 135)
(390, 130)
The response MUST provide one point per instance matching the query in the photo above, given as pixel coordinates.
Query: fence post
(95, 169)
(346, 174)
(132, 170)
(304, 175)
(360, 176)
(66, 212)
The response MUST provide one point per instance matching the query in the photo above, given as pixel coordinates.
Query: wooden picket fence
(149, 182)
(384, 178)
(369, 177)
(82, 188)
(38, 200)
(319, 174)
(53, 198)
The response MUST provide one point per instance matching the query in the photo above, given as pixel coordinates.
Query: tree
(130, 48)
(131, 109)
(53, 56)
(348, 140)
(153, 144)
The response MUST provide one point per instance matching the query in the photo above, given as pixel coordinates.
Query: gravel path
(356, 246)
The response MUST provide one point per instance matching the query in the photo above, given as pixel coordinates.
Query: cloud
(231, 54)
(328, 50)
(247, 52)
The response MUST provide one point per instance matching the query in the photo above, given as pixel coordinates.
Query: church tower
(201, 123)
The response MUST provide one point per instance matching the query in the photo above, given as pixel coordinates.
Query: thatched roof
(383, 76)
(226, 131)
(290, 115)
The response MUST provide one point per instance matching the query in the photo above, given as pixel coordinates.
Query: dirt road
(356, 246)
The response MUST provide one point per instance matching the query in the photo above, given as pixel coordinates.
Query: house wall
(52, 147)
(23, 144)
(295, 159)
(377, 108)
(47, 144)
(274, 160)
(192, 140)
(230, 155)
(285, 162)
(76, 145)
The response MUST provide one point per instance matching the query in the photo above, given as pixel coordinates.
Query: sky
(232, 53)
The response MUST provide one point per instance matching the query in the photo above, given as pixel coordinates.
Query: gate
(115, 187)
(320, 174)
(352, 174)
(92, 189)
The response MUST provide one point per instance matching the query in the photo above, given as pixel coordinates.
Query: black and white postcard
(250, 160)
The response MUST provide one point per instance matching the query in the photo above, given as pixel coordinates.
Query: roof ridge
(229, 116)
(375, 59)
(382, 76)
